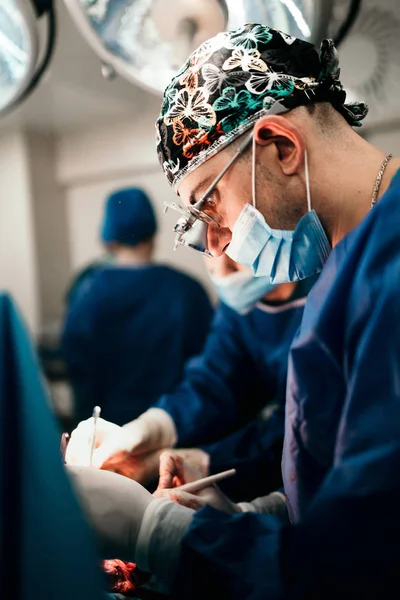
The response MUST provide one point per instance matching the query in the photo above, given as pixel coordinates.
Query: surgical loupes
(195, 237)
(191, 228)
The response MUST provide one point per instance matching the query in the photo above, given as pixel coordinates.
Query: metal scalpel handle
(96, 415)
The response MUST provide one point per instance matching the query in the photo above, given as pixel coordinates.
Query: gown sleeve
(255, 451)
(221, 388)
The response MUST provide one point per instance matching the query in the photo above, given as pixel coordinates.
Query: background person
(129, 332)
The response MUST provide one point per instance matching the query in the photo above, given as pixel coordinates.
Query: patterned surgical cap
(232, 80)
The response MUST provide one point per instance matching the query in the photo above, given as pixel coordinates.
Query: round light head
(147, 41)
(18, 49)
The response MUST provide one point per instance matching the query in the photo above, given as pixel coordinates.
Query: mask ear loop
(253, 170)
(307, 181)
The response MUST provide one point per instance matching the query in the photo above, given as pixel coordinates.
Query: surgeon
(241, 372)
(129, 332)
(288, 183)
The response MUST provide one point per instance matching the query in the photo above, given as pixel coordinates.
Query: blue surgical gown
(46, 548)
(341, 459)
(128, 335)
(83, 278)
(242, 369)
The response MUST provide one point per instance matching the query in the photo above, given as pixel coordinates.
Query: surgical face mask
(240, 290)
(283, 256)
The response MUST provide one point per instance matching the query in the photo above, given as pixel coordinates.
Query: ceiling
(74, 92)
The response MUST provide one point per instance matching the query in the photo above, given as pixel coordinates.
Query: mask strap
(307, 181)
(253, 170)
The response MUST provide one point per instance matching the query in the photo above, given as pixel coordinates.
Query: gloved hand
(153, 430)
(129, 522)
(80, 442)
(195, 456)
(176, 471)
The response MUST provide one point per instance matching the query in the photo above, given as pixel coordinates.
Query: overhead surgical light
(146, 41)
(19, 48)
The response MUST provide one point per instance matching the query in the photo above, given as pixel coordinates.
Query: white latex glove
(176, 471)
(273, 504)
(80, 442)
(197, 457)
(153, 430)
(129, 522)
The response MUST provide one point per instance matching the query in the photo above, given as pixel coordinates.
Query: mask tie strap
(307, 181)
(253, 170)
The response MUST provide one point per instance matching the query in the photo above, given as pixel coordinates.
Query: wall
(387, 139)
(18, 259)
(93, 162)
(51, 226)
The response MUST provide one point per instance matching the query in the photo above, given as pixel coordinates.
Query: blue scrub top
(83, 278)
(128, 335)
(46, 549)
(243, 368)
(341, 458)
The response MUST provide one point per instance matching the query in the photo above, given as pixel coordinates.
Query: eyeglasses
(191, 228)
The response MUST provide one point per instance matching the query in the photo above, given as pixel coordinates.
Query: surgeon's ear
(288, 143)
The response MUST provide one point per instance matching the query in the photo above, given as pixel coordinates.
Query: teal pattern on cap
(232, 80)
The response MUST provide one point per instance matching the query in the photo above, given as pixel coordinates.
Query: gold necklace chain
(378, 181)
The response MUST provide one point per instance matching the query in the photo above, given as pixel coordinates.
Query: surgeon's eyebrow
(203, 185)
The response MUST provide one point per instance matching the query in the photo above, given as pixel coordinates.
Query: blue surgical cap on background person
(129, 217)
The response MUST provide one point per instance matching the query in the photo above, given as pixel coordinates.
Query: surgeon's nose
(218, 239)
